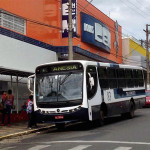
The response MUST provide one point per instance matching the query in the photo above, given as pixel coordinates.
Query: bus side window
(121, 78)
(136, 81)
(140, 77)
(129, 78)
(91, 80)
(103, 79)
(112, 78)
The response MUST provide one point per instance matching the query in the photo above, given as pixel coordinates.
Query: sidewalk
(18, 129)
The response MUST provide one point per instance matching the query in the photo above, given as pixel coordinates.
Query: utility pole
(70, 31)
(147, 55)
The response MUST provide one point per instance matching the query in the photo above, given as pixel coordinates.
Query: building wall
(136, 47)
(18, 55)
(44, 23)
(77, 56)
(92, 10)
(133, 53)
(125, 48)
(39, 15)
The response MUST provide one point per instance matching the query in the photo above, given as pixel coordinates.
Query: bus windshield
(59, 87)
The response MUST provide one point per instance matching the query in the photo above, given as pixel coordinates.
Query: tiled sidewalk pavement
(20, 128)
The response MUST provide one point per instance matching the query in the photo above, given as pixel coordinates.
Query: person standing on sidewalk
(30, 112)
(3, 103)
(8, 104)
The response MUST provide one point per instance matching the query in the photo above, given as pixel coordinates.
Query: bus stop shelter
(17, 73)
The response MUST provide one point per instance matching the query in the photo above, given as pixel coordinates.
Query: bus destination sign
(59, 68)
(64, 68)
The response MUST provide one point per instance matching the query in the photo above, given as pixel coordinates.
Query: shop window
(12, 22)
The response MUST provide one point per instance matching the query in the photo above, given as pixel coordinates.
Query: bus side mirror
(91, 81)
(31, 83)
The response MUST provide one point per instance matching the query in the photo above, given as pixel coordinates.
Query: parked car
(147, 92)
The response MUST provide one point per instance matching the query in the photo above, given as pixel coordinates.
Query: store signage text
(95, 32)
(65, 17)
(88, 28)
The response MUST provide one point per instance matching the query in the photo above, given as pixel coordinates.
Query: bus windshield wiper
(64, 79)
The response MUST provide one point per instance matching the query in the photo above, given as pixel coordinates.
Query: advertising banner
(95, 32)
(65, 17)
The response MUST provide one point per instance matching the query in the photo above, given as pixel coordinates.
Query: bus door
(30, 83)
(93, 96)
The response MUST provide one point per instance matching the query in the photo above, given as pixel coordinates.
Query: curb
(25, 132)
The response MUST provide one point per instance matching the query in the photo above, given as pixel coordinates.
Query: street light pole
(70, 31)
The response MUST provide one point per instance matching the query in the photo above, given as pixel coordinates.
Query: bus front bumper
(80, 115)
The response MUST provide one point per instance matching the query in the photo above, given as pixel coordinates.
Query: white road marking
(38, 147)
(123, 148)
(113, 142)
(80, 147)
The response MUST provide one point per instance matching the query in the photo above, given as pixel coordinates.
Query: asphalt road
(116, 134)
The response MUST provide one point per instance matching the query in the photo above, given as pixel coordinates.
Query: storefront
(44, 23)
(34, 32)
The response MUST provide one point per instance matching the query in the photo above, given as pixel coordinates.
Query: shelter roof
(14, 72)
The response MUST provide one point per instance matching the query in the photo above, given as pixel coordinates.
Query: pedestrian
(2, 104)
(24, 106)
(8, 101)
(30, 112)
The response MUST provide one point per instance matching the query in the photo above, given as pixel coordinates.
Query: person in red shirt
(8, 104)
(3, 97)
(3, 102)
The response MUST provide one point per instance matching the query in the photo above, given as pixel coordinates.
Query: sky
(132, 15)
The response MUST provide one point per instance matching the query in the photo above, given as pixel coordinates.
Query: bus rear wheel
(60, 126)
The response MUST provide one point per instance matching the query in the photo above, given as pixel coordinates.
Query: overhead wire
(83, 8)
(137, 8)
(56, 27)
(110, 27)
(30, 20)
(141, 4)
(134, 11)
(123, 57)
(114, 32)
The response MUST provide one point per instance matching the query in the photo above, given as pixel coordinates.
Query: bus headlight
(43, 112)
(39, 110)
(75, 109)
(78, 108)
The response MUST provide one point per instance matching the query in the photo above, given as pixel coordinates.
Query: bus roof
(86, 62)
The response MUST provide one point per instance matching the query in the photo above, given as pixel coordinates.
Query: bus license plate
(59, 117)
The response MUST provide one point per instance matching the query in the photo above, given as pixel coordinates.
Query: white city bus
(68, 91)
